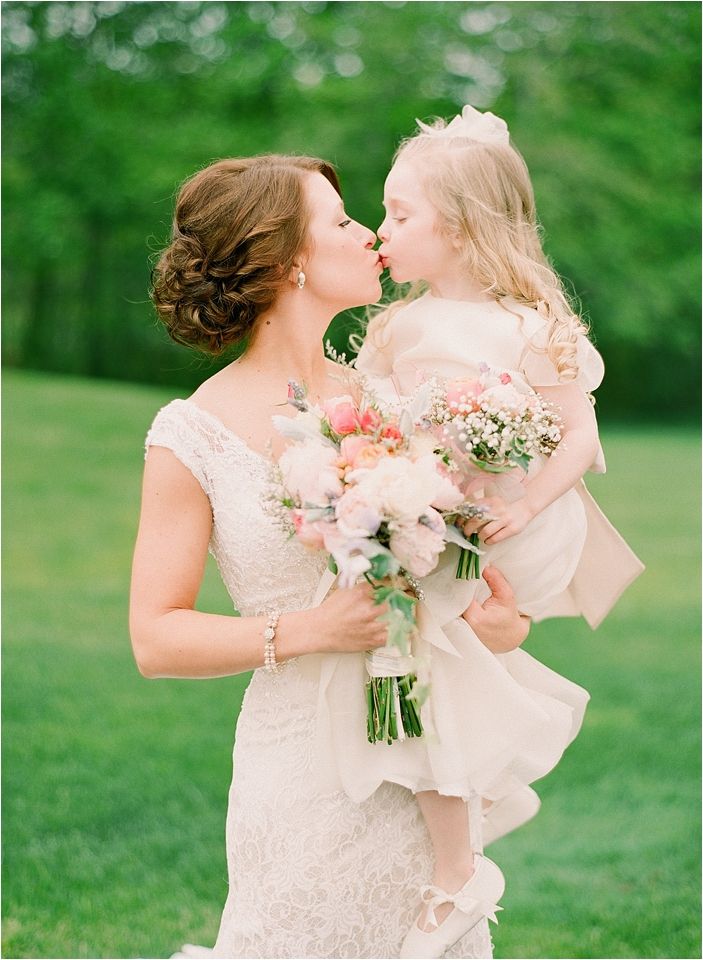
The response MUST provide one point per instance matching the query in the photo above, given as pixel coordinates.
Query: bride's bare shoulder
(222, 387)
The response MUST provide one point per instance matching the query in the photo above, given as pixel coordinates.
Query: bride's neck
(288, 346)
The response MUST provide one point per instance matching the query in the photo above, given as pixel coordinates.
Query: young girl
(460, 216)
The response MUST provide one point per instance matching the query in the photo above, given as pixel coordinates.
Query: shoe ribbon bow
(434, 897)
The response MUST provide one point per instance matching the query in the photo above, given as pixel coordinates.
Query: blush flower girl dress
(494, 723)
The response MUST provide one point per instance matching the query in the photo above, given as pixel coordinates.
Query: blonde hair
(484, 196)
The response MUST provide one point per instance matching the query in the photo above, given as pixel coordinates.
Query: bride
(263, 254)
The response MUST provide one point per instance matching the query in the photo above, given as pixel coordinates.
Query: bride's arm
(171, 639)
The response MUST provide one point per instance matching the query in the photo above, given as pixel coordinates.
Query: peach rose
(351, 446)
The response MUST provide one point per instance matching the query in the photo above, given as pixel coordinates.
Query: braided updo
(237, 229)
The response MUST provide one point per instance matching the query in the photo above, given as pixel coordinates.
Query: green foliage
(115, 787)
(382, 565)
(400, 616)
(109, 106)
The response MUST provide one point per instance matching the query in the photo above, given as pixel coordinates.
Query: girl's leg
(447, 820)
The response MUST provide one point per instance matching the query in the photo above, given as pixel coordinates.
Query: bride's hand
(348, 621)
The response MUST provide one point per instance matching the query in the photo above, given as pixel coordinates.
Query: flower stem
(468, 567)
(382, 721)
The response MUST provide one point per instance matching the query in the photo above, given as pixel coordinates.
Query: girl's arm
(575, 453)
(171, 639)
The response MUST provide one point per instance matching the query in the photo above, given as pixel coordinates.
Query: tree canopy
(109, 106)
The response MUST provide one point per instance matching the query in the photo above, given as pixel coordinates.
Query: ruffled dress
(494, 722)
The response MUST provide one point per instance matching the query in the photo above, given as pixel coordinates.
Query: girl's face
(413, 243)
(341, 268)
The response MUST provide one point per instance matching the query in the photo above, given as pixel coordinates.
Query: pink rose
(506, 378)
(343, 415)
(370, 420)
(463, 391)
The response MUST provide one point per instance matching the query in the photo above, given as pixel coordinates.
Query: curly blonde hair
(484, 196)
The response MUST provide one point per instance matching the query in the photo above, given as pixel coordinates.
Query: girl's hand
(497, 622)
(347, 621)
(507, 519)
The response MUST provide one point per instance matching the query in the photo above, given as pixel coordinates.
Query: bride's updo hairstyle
(480, 185)
(238, 227)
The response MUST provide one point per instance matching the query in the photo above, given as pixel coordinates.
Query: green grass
(115, 787)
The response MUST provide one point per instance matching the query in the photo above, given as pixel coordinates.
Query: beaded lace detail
(311, 874)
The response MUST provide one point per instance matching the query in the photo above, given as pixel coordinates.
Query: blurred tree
(108, 106)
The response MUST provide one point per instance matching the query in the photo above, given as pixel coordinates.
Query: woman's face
(413, 244)
(341, 269)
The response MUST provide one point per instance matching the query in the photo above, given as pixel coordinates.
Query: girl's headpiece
(471, 125)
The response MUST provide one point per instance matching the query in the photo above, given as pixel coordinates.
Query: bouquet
(487, 424)
(369, 489)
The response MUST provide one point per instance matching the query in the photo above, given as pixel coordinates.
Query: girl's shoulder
(381, 340)
(535, 362)
(526, 321)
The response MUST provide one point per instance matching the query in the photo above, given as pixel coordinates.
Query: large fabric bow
(473, 125)
(434, 897)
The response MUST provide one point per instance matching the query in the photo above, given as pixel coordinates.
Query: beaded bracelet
(270, 662)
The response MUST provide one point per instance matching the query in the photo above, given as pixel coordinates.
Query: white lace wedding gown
(311, 874)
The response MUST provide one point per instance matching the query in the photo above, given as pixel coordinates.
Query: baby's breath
(277, 502)
(494, 433)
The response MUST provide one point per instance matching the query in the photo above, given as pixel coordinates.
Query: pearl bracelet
(270, 662)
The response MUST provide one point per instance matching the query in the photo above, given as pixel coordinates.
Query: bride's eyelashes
(345, 223)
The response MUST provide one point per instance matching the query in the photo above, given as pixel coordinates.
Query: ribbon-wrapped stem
(391, 714)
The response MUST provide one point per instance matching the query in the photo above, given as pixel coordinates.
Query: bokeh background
(115, 788)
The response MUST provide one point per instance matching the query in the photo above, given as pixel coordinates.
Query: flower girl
(460, 216)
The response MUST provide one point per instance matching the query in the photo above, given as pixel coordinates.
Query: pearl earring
(301, 280)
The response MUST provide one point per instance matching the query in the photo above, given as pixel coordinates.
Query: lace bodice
(261, 567)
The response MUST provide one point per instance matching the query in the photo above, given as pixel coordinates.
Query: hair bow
(472, 125)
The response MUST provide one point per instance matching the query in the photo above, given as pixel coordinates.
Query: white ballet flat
(478, 898)
(509, 813)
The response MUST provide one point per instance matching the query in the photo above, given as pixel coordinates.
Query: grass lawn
(115, 787)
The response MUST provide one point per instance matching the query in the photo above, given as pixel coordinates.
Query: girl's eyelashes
(345, 223)
(399, 219)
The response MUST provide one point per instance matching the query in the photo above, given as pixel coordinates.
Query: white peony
(356, 517)
(403, 489)
(310, 472)
(417, 548)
